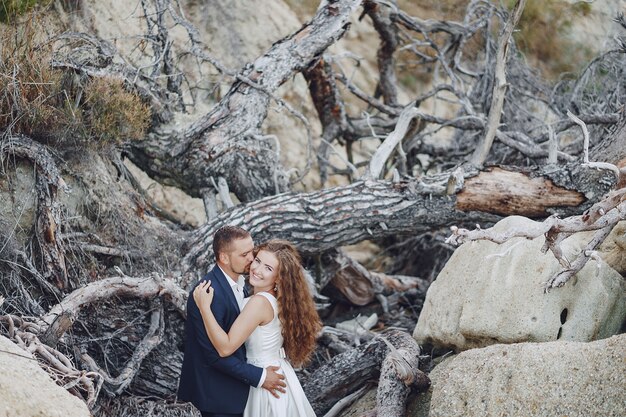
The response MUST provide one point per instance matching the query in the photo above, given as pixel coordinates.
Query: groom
(219, 387)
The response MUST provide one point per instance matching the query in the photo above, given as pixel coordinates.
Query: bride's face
(264, 271)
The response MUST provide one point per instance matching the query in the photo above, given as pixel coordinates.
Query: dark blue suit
(211, 383)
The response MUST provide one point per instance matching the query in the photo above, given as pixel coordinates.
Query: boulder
(489, 293)
(533, 379)
(26, 390)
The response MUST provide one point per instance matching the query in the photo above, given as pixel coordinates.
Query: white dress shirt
(237, 288)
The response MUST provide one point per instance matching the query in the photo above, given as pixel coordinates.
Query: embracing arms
(257, 312)
(252, 375)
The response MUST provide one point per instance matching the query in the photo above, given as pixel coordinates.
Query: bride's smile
(264, 272)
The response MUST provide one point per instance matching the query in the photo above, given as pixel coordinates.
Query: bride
(279, 325)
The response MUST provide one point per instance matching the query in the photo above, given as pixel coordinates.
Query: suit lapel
(224, 283)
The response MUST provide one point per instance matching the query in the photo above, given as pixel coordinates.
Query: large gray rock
(533, 379)
(489, 293)
(526, 379)
(26, 390)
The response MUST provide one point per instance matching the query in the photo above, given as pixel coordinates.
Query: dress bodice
(264, 347)
(265, 344)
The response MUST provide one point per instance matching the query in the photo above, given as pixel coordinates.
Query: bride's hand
(203, 294)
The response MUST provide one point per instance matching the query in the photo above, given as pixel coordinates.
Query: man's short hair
(224, 236)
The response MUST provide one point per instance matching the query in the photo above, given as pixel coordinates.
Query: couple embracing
(239, 350)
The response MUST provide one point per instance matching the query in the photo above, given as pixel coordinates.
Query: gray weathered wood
(330, 218)
(222, 142)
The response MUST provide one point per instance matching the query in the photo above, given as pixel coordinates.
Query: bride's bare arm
(257, 311)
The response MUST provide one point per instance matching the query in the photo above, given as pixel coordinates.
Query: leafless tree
(99, 282)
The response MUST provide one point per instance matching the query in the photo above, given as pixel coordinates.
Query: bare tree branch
(85, 385)
(330, 109)
(104, 289)
(384, 23)
(499, 87)
(212, 145)
(116, 385)
(603, 216)
(383, 152)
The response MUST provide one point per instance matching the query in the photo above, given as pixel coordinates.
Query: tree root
(393, 357)
(85, 385)
(47, 225)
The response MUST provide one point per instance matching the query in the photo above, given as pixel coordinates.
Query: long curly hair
(296, 310)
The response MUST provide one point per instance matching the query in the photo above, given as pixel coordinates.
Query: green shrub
(113, 114)
(62, 107)
(9, 9)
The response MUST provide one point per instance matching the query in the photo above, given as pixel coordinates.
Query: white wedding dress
(264, 347)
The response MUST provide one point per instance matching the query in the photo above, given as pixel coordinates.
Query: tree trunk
(104, 272)
(223, 143)
(365, 210)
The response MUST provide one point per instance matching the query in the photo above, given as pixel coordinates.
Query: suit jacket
(211, 383)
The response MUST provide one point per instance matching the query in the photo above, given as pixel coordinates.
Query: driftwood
(368, 209)
(212, 146)
(89, 267)
(391, 358)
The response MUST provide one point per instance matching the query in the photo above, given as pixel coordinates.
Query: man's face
(240, 256)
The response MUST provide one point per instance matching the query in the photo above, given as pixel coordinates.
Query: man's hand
(274, 381)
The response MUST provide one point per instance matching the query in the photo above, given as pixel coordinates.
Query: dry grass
(61, 107)
(29, 88)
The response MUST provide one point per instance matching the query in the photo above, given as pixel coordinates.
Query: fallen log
(364, 210)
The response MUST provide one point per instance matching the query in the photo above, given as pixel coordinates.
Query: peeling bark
(508, 193)
(330, 109)
(359, 285)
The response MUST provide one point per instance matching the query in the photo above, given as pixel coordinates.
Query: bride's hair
(296, 309)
